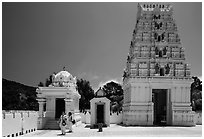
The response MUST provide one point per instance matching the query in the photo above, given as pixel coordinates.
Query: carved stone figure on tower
(167, 69)
(162, 36)
(156, 51)
(157, 68)
(164, 51)
(128, 58)
(124, 74)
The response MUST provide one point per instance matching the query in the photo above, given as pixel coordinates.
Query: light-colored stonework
(156, 77)
(100, 109)
(60, 96)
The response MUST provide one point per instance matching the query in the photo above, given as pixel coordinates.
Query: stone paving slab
(117, 130)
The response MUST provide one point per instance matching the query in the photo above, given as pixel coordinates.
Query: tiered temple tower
(157, 78)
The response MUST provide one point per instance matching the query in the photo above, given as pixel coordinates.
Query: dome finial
(64, 68)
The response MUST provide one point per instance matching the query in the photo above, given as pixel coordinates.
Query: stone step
(52, 124)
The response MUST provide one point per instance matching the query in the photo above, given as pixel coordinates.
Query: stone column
(50, 107)
(41, 118)
(188, 100)
(182, 95)
(77, 105)
(68, 105)
(173, 94)
(41, 102)
(168, 108)
(93, 109)
(76, 102)
(107, 111)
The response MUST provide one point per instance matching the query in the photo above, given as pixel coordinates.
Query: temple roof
(152, 7)
(100, 93)
(63, 78)
(62, 74)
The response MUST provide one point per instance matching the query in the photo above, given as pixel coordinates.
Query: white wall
(85, 118)
(198, 116)
(117, 118)
(88, 117)
(15, 123)
(114, 118)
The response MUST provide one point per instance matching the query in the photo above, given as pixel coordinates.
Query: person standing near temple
(63, 123)
(70, 118)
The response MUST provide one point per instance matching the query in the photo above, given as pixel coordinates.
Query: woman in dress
(63, 123)
(70, 118)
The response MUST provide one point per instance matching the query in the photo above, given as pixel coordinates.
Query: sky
(91, 40)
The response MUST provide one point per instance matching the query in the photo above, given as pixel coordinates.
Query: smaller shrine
(60, 96)
(100, 109)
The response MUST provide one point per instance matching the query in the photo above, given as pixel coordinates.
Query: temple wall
(50, 107)
(139, 108)
(15, 123)
(198, 117)
(114, 118)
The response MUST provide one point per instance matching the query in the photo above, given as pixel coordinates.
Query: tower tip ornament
(64, 68)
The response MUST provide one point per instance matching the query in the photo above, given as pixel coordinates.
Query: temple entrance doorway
(60, 107)
(159, 98)
(161, 71)
(100, 113)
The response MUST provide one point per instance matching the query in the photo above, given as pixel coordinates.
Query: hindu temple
(156, 80)
(60, 96)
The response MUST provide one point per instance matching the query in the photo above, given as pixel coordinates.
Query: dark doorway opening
(160, 53)
(60, 107)
(100, 113)
(159, 98)
(161, 71)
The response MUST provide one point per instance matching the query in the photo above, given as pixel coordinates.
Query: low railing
(198, 117)
(16, 123)
(115, 118)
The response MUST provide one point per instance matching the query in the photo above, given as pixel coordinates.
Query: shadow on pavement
(159, 125)
(60, 135)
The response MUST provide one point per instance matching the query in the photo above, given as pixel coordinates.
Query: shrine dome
(62, 74)
(63, 78)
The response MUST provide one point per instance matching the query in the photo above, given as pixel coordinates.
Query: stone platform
(121, 131)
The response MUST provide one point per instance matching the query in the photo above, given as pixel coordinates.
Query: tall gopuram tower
(157, 79)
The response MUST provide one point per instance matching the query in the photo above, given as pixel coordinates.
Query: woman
(70, 122)
(63, 123)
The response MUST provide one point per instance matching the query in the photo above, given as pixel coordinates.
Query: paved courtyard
(117, 130)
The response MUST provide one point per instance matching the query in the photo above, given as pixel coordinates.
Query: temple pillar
(72, 105)
(41, 105)
(41, 118)
(76, 103)
(68, 105)
(50, 107)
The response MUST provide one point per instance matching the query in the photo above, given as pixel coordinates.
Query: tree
(41, 84)
(16, 96)
(196, 94)
(86, 92)
(114, 93)
(48, 81)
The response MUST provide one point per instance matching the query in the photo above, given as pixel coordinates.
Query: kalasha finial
(63, 68)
